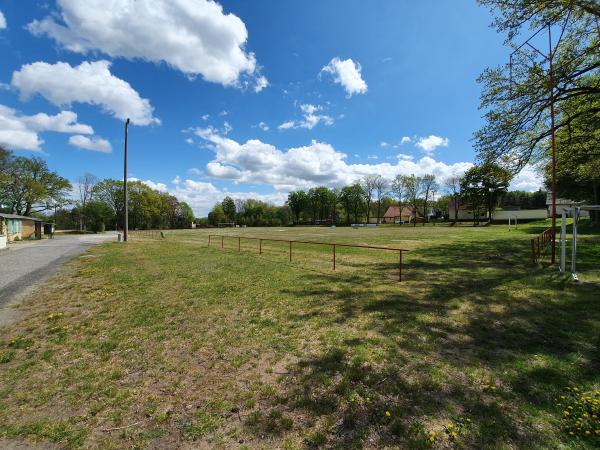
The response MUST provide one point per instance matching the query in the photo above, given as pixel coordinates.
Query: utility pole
(125, 196)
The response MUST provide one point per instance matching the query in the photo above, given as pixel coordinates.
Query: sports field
(169, 343)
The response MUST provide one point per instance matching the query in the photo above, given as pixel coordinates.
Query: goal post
(226, 225)
(575, 212)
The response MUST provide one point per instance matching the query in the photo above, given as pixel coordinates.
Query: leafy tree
(98, 215)
(353, 200)
(517, 99)
(452, 185)
(297, 201)
(413, 186)
(484, 185)
(228, 206)
(429, 185)
(217, 215)
(368, 184)
(29, 186)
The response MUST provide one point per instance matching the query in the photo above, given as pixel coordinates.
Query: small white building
(562, 204)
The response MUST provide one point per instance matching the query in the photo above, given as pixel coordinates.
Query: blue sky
(246, 98)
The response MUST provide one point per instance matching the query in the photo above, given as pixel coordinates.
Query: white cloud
(384, 144)
(224, 113)
(263, 126)
(372, 157)
(189, 141)
(348, 74)
(405, 140)
(310, 118)
(195, 171)
(90, 82)
(2, 21)
(430, 143)
(193, 36)
(256, 162)
(21, 132)
(205, 117)
(227, 127)
(94, 143)
(405, 157)
(261, 83)
(287, 125)
(529, 179)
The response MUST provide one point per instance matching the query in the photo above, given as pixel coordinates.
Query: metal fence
(539, 244)
(333, 246)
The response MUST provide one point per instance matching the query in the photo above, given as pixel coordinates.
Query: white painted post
(563, 241)
(574, 245)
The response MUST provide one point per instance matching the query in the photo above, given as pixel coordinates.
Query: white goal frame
(575, 212)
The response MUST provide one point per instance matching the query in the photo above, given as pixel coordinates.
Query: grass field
(169, 343)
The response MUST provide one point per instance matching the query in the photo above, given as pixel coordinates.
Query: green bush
(98, 227)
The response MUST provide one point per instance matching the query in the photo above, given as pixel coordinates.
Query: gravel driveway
(26, 264)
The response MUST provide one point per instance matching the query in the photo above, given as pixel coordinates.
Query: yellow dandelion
(388, 414)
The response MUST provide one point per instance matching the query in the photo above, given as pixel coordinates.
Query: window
(14, 226)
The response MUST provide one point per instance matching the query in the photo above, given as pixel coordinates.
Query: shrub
(98, 227)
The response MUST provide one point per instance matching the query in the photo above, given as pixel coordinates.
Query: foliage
(482, 186)
(228, 207)
(27, 185)
(517, 99)
(352, 199)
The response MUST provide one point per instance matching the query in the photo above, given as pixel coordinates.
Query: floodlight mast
(549, 57)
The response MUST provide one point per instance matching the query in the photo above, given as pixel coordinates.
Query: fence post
(400, 266)
(239, 243)
(333, 256)
(260, 247)
(533, 251)
(290, 251)
(222, 241)
(538, 248)
(209, 240)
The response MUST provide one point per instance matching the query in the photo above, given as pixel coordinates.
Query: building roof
(394, 211)
(15, 216)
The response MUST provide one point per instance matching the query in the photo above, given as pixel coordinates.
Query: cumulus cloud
(90, 82)
(261, 83)
(2, 21)
(256, 162)
(348, 74)
(21, 132)
(529, 179)
(311, 118)
(193, 36)
(95, 143)
(405, 140)
(430, 143)
(263, 126)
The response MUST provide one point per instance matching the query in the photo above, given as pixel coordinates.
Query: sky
(246, 99)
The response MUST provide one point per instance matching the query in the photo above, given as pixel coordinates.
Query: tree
(484, 185)
(381, 185)
(297, 201)
(368, 185)
(31, 186)
(216, 215)
(578, 155)
(429, 185)
(85, 185)
(228, 206)
(517, 97)
(413, 186)
(452, 185)
(110, 192)
(398, 189)
(352, 198)
(98, 214)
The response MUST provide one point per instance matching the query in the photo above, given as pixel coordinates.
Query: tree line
(481, 189)
(29, 187)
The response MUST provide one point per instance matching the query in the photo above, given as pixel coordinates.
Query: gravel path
(26, 264)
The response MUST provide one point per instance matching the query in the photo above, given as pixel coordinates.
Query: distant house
(17, 227)
(394, 215)
(561, 204)
(465, 211)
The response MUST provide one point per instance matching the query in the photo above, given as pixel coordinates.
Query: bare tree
(381, 185)
(86, 185)
(368, 185)
(399, 190)
(452, 186)
(429, 185)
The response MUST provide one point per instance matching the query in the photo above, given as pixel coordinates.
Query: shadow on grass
(477, 339)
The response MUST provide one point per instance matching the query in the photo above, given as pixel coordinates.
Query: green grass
(166, 342)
